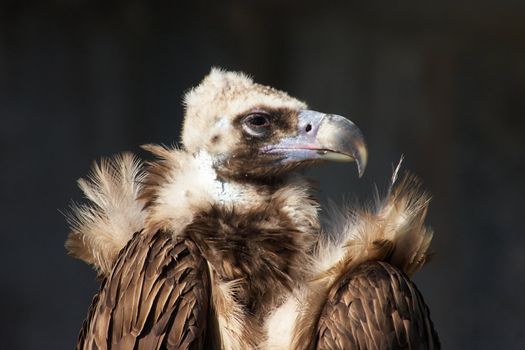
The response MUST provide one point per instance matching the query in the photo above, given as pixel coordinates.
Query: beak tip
(360, 170)
(361, 158)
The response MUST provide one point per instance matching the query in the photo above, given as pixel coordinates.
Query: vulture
(217, 244)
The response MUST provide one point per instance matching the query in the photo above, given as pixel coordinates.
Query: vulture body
(218, 245)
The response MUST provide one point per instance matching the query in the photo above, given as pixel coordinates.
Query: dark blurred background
(441, 82)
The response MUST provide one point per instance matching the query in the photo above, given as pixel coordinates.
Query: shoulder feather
(101, 227)
(156, 297)
(392, 231)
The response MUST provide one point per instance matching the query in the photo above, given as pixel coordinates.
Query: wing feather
(156, 297)
(375, 307)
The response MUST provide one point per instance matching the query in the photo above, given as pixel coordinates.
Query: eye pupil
(258, 121)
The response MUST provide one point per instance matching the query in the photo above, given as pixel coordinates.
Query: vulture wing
(156, 297)
(375, 307)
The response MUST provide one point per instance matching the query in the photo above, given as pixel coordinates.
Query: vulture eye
(256, 124)
(257, 120)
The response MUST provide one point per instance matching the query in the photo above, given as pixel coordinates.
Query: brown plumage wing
(375, 307)
(156, 297)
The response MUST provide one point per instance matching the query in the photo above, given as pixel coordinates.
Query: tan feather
(237, 330)
(103, 226)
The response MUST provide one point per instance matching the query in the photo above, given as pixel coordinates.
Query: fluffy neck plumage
(180, 184)
(252, 234)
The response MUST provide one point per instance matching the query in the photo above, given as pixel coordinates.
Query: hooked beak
(323, 137)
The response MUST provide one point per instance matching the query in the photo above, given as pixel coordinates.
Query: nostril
(308, 127)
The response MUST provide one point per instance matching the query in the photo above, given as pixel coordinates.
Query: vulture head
(255, 132)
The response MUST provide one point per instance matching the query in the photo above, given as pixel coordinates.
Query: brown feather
(375, 307)
(161, 301)
(261, 249)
